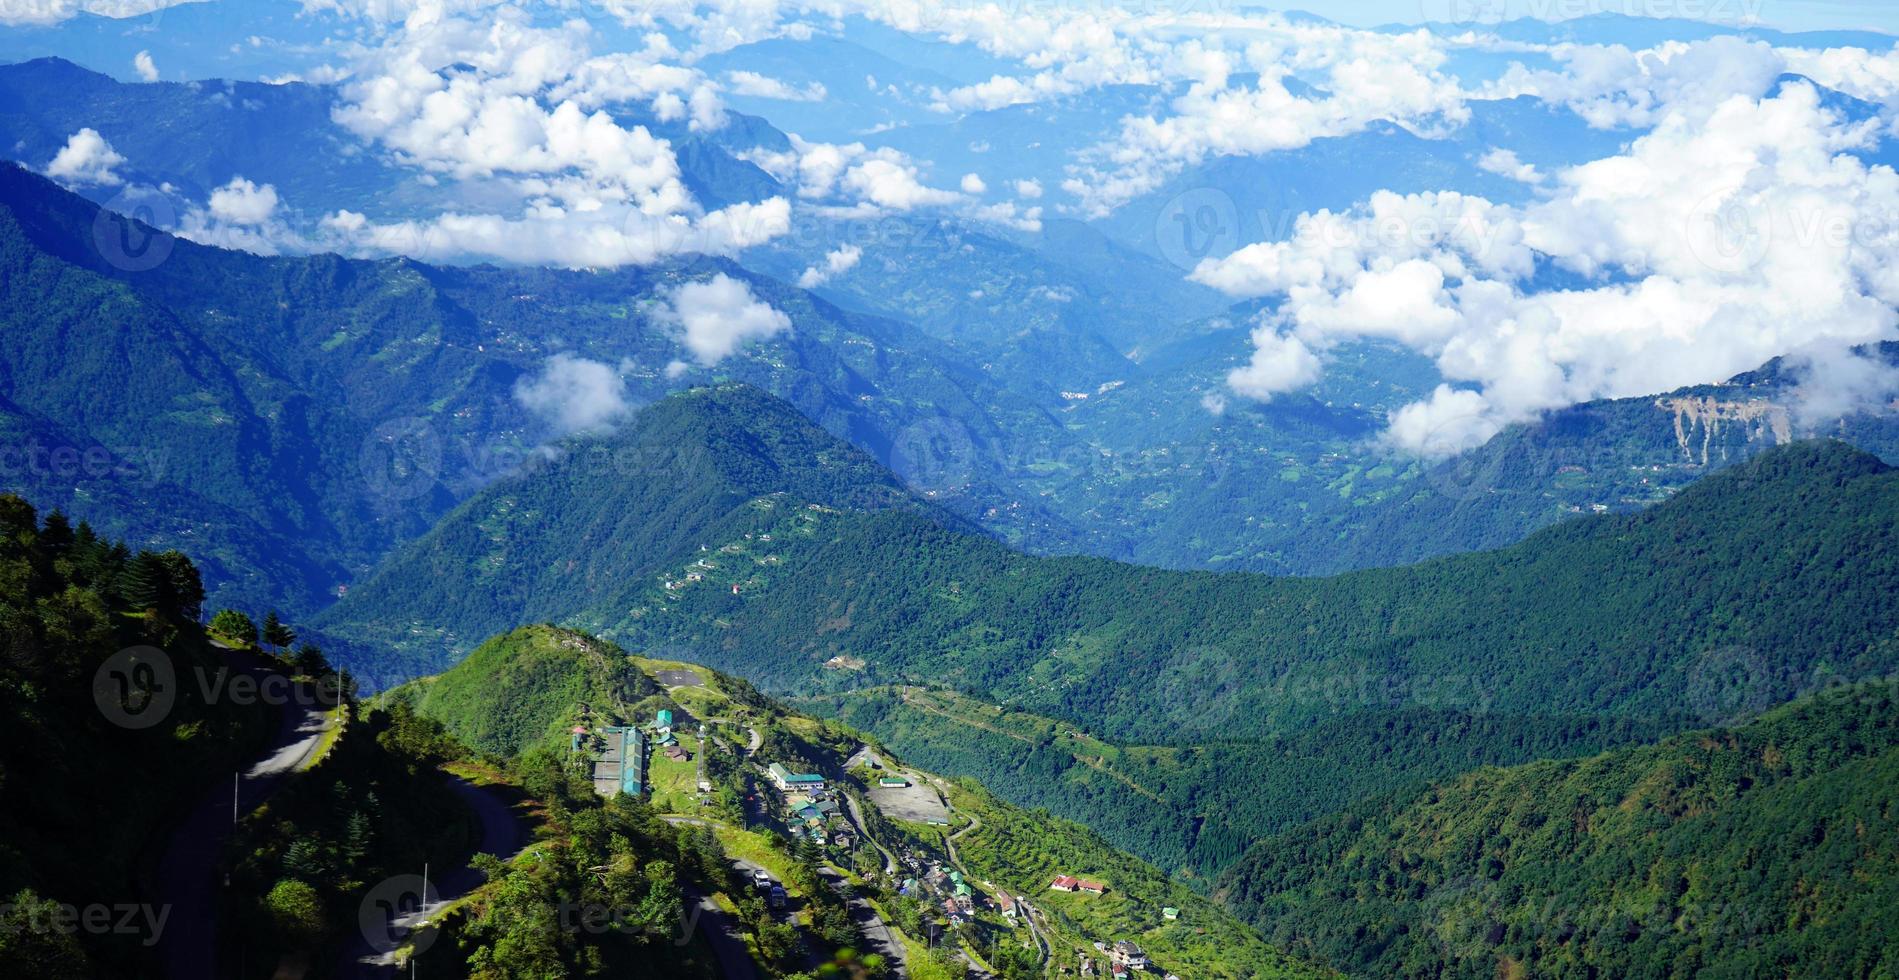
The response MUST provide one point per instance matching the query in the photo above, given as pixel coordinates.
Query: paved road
(504, 831)
(755, 740)
(863, 914)
(857, 817)
(187, 880)
(726, 937)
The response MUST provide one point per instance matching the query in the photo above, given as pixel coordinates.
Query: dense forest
(1722, 601)
(1763, 850)
(1195, 809)
(94, 638)
(595, 527)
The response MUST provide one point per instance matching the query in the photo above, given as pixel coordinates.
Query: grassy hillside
(530, 681)
(1024, 850)
(1771, 849)
(520, 690)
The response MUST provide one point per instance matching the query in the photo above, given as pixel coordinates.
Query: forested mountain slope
(339, 407)
(596, 522)
(1771, 849)
(1731, 597)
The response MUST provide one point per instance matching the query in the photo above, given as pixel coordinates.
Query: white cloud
(508, 107)
(594, 239)
(143, 64)
(1613, 86)
(574, 394)
(242, 215)
(86, 160)
(241, 202)
(1280, 364)
(1009, 214)
(835, 263)
(1709, 247)
(764, 87)
(1312, 82)
(893, 185)
(40, 13)
(1504, 163)
(1028, 190)
(719, 315)
(973, 184)
(1445, 424)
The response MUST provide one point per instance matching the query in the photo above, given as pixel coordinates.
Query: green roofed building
(790, 782)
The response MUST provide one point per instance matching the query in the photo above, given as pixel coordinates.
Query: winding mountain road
(187, 881)
(504, 831)
(713, 921)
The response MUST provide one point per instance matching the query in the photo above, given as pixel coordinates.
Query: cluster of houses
(810, 809)
(946, 887)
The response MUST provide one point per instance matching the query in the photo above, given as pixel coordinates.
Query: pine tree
(359, 838)
(276, 634)
(310, 660)
(144, 583)
(56, 538)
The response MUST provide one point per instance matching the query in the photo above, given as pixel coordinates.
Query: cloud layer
(1708, 248)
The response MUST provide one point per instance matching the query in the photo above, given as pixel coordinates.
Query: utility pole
(234, 779)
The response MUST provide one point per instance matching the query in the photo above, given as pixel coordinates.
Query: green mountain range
(1764, 850)
(1728, 598)
(293, 420)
